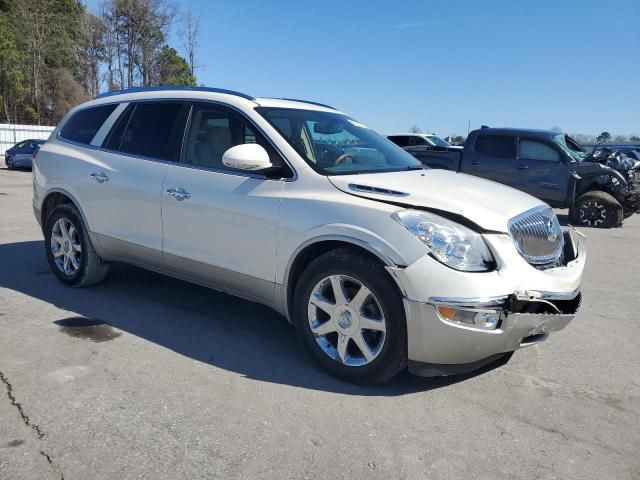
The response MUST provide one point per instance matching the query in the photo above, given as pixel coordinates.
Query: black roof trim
(168, 88)
(517, 131)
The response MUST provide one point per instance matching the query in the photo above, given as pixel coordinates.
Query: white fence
(11, 134)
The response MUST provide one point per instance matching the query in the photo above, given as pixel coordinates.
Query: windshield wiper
(415, 167)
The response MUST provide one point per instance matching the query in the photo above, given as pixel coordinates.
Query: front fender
(349, 234)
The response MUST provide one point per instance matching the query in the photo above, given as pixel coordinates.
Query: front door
(543, 173)
(219, 224)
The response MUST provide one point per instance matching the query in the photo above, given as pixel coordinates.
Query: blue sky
(434, 64)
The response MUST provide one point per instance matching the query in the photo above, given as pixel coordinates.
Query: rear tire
(597, 209)
(69, 250)
(364, 338)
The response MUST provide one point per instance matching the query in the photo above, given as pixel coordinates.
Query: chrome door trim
(104, 130)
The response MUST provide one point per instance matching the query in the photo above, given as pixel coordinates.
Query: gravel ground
(144, 376)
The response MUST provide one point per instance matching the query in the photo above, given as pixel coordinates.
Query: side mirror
(249, 156)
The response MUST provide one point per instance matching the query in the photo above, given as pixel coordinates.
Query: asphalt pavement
(145, 376)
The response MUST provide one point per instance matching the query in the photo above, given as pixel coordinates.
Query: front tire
(350, 316)
(69, 250)
(9, 162)
(597, 209)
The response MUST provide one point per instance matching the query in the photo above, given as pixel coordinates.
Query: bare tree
(36, 19)
(91, 51)
(64, 92)
(604, 137)
(415, 129)
(190, 38)
(110, 45)
(136, 31)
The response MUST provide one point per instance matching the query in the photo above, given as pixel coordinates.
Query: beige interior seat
(209, 152)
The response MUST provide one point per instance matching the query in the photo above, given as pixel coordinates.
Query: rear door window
(502, 146)
(84, 124)
(400, 140)
(152, 130)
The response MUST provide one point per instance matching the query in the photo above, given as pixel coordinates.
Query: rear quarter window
(85, 123)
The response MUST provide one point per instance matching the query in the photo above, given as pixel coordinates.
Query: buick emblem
(345, 321)
(552, 233)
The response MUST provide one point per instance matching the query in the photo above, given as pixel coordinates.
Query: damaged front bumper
(514, 307)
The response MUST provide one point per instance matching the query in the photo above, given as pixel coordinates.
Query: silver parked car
(379, 263)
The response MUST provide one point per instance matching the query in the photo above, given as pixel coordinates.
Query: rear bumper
(37, 212)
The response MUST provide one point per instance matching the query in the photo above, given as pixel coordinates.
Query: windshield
(438, 142)
(570, 147)
(334, 144)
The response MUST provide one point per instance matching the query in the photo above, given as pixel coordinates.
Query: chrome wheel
(593, 213)
(65, 246)
(346, 320)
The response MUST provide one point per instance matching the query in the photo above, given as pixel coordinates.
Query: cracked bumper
(531, 304)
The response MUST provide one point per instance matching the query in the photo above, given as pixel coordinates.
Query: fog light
(486, 320)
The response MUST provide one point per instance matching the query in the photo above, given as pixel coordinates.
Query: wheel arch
(55, 197)
(315, 247)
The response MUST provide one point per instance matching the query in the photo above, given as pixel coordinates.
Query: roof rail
(165, 88)
(305, 101)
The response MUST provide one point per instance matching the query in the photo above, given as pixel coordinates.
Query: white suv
(377, 261)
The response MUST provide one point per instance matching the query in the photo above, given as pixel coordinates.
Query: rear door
(543, 170)
(493, 157)
(122, 191)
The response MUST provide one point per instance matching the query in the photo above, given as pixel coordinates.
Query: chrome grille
(538, 236)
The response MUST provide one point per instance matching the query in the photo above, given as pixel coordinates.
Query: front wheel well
(310, 253)
(584, 186)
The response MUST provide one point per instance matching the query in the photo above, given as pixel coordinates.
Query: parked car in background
(378, 262)
(422, 142)
(22, 153)
(550, 166)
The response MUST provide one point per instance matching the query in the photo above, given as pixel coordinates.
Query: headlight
(449, 242)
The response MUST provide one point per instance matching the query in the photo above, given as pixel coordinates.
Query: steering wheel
(342, 158)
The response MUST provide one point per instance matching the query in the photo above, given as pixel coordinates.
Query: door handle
(99, 177)
(474, 162)
(179, 193)
(522, 167)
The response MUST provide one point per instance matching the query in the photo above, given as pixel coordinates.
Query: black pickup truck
(600, 188)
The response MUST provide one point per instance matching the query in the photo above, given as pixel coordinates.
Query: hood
(487, 204)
